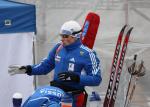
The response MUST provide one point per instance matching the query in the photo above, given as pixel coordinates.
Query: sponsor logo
(57, 58)
(71, 67)
(53, 92)
(81, 53)
(85, 29)
(72, 60)
(8, 22)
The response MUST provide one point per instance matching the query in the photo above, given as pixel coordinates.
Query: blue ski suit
(46, 96)
(76, 58)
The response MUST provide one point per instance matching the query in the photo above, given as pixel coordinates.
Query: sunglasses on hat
(64, 36)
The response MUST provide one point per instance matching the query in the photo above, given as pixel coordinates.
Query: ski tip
(125, 26)
(129, 31)
(122, 30)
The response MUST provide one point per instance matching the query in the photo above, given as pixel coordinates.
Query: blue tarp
(17, 17)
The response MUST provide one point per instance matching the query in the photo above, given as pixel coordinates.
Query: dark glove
(28, 69)
(69, 77)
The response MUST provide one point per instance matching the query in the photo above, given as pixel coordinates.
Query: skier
(75, 65)
(47, 96)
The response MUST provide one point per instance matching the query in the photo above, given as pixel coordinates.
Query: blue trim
(17, 17)
(86, 26)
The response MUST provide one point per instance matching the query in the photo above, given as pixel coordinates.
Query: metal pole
(34, 62)
(34, 55)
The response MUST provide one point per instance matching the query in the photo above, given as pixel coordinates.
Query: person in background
(75, 65)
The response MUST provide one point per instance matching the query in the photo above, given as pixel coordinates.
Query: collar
(73, 46)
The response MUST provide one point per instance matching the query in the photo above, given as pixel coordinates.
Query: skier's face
(67, 40)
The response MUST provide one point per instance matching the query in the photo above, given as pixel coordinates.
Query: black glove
(69, 77)
(27, 68)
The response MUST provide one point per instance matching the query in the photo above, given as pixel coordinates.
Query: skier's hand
(69, 77)
(16, 69)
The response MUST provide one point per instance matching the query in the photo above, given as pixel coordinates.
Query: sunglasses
(64, 36)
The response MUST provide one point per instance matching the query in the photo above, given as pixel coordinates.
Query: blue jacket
(46, 96)
(75, 57)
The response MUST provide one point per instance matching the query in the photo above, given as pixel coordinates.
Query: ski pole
(138, 74)
(131, 70)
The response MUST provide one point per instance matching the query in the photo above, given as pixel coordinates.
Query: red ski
(119, 68)
(113, 67)
(89, 29)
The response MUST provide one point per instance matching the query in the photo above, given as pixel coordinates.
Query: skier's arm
(38, 69)
(45, 65)
(93, 71)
